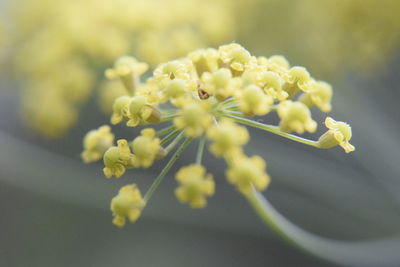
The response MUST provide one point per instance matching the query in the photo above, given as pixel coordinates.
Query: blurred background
(55, 209)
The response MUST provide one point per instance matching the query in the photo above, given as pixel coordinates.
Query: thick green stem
(164, 171)
(272, 129)
(347, 253)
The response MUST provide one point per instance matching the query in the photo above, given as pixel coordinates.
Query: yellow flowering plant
(211, 95)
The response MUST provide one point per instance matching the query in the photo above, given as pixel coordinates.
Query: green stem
(174, 143)
(200, 149)
(272, 129)
(165, 170)
(169, 137)
(346, 253)
(165, 130)
(168, 117)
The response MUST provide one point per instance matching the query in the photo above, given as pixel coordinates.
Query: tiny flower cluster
(209, 95)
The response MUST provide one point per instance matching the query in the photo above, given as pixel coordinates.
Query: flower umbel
(206, 96)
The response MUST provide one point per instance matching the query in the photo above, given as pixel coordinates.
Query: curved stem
(200, 149)
(348, 253)
(164, 171)
(272, 129)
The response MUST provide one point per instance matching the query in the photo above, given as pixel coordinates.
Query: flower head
(127, 204)
(295, 117)
(146, 148)
(205, 60)
(116, 159)
(96, 143)
(245, 172)
(235, 56)
(319, 94)
(194, 118)
(220, 83)
(339, 133)
(228, 138)
(120, 109)
(253, 101)
(140, 111)
(194, 185)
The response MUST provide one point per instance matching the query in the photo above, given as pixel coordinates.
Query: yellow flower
(116, 159)
(176, 88)
(96, 143)
(120, 109)
(194, 118)
(127, 204)
(220, 83)
(140, 111)
(128, 69)
(319, 94)
(205, 60)
(245, 172)
(339, 133)
(146, 148)
(298, 78)
(295, 116)
(228, 137)
(194, 185)
(253, 101)
(172, 70)
(272, 83)
(235, 56)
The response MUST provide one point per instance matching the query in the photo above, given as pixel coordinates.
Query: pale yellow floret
(140, 111)
(120, 109)
(146, 148)
(245, 172)
(253, 101)
(235, 56)
(96, 143)
(319, 94)
(228, 138)
(176, 88)
(295, 117)
(220, 83)
(339, 133)
(128, 70)
(116, 159)
(299, 77)
(127, 204)
(194, 185)
(172, 70)
(194, 118)
(205, 60)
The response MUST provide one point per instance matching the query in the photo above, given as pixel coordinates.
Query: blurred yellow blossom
(96, 143)
(145, 147)
(194, 185)
(127, 204)
(244, 172)
(295, 117)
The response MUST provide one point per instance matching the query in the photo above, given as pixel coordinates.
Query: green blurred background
(55, 209)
